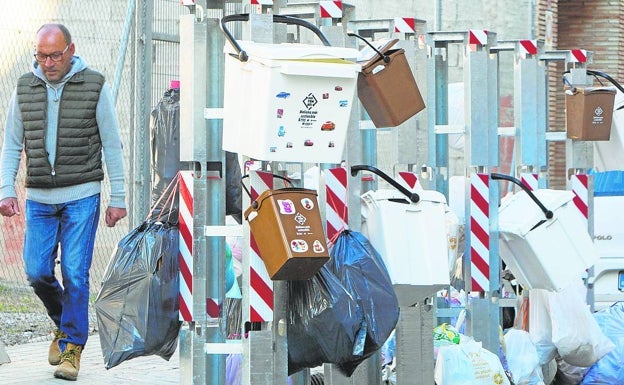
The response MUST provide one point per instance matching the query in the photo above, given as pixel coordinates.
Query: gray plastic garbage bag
(137, 307)
(165, 143)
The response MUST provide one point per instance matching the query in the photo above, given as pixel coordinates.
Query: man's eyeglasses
(54, 56)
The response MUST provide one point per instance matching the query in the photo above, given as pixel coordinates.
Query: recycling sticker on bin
(310, 120)
(301, 228)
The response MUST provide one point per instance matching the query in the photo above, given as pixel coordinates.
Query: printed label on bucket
(307, 203)
(598, 116)
(286, 206)
(298, 246)
(318, 247)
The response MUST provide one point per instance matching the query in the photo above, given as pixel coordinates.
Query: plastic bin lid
(425, 195)
(519, 213)
(596, 90)
(291, 51)
(609, 183)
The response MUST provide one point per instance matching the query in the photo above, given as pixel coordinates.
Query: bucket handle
(384, 57)
(496, 176)
(595, 74)
(284, 19)
(254, 204)
(412, 196)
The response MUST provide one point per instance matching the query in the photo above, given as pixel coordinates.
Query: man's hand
(9, 207)
(114, 214)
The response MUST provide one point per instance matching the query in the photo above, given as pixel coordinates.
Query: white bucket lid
(519, 213)
(292, 51)
(425, 195)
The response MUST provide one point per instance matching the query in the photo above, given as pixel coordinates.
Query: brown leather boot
(70, 363)
(54, 353)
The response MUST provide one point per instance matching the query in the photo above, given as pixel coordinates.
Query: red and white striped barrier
(477, 36)
(405, 24)
(409, 180)
(579, 184)
(528, 47)
(261, 2)
(480, 232)
(186, 245)
(529, 180)
(336, 210)
(331, 9)
(261, 286)
(578, 56)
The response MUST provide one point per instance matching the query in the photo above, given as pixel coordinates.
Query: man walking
(62, 115)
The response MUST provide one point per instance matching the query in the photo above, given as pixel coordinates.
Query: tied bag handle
(284, 19)
(383, 56)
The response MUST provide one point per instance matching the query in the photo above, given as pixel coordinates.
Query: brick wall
(594, 25)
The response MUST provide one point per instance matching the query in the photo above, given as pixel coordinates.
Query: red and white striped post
(330, 9)
(579, 184)
(404, 25)
(578, 56)
(186, 245)
(529, 180)
(528, 47)
(261, 286)
(409, 180)
(336, 209)
(480, 232)
(476, 38)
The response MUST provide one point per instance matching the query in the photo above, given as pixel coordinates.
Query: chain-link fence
(104, 35)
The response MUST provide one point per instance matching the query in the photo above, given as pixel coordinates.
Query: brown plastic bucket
(287, 228)
(388, 91)
(589, 113)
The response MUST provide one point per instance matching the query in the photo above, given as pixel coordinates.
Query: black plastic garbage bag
(324, 322)
(165, 155)
(137, 307)
(165, 144)
(362, 272)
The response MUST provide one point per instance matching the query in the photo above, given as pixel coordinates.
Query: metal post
(202, 339)
(480, 155)
(481, 150)
(530, 149)
(140, 170)
(437, 113)
(264, 366)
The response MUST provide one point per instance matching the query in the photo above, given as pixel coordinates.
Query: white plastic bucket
(411, 239)
(288, 102)
(544, 253)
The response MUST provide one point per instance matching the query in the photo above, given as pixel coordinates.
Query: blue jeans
(72, 226)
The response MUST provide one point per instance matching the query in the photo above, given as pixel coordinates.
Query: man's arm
(11, 149)
(108, 124)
